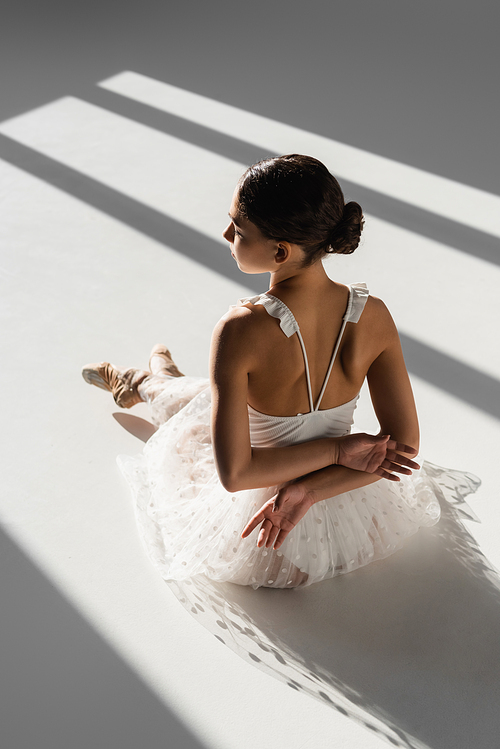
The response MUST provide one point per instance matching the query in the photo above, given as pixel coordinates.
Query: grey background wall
(416, 82)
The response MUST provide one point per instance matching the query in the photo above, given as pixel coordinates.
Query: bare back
(277, 382)
(256, 363)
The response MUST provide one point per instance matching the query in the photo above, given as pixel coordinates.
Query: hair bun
(295, 198)
(347, 232)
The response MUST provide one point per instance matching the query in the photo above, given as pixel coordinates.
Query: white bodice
(278, 431)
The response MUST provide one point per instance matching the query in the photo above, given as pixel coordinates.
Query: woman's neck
(313, 277)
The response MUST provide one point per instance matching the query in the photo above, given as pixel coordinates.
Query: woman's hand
(375, 454)
(279, 515)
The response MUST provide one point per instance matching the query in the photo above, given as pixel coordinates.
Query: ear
(283, 252)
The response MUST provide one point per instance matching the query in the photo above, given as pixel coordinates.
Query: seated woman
(253, 477)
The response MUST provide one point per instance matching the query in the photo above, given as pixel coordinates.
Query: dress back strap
(332, 362)
(358, 294)
(306, 367)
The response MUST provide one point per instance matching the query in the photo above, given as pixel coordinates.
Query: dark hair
(294, 198)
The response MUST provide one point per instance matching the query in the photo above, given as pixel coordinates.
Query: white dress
(191, 525)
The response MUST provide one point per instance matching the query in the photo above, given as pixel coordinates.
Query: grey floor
(104, 252)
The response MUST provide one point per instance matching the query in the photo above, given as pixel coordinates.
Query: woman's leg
(161, 362)
(121, 382)
(162, 369)
(164, 388)
(130, 386)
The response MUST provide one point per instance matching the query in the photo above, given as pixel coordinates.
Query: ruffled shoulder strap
(358, 294)
(276, 308)
(357, 300)
(289, 325)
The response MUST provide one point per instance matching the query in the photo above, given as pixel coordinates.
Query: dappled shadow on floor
(407, 646)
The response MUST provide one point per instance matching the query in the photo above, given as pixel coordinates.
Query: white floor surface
(80, 286)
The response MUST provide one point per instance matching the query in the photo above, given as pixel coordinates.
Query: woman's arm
(233, 354)
(394, 406)
(281, 513)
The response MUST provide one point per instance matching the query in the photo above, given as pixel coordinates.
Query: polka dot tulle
(190, 524)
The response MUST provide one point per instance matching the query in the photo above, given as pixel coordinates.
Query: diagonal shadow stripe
(460, 380)
(64, 685)
(458, 236)
(211, 140)
(133, 213)
(467, 383)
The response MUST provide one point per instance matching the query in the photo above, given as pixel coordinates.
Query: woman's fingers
(401, 460)
(273, 534)
(264, 533)
(403, 466)
(386, 475)
(396, 464)
(252, 524)
(400, 447)
(390, 466)
(248, 528)
(280, 538)
(269, 535)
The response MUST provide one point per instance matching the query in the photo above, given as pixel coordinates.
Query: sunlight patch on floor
(456, 201)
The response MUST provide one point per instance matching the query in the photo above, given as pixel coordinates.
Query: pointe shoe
(164, 363)
(121, 382)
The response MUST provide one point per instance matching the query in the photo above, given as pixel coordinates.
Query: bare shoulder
(376, 308)
(245, 319)
(238, 331)
(376, 318)
(234, 319)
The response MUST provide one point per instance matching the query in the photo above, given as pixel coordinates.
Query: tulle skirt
(191, 525)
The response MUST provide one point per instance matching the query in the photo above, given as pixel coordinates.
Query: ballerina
(266, 443)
